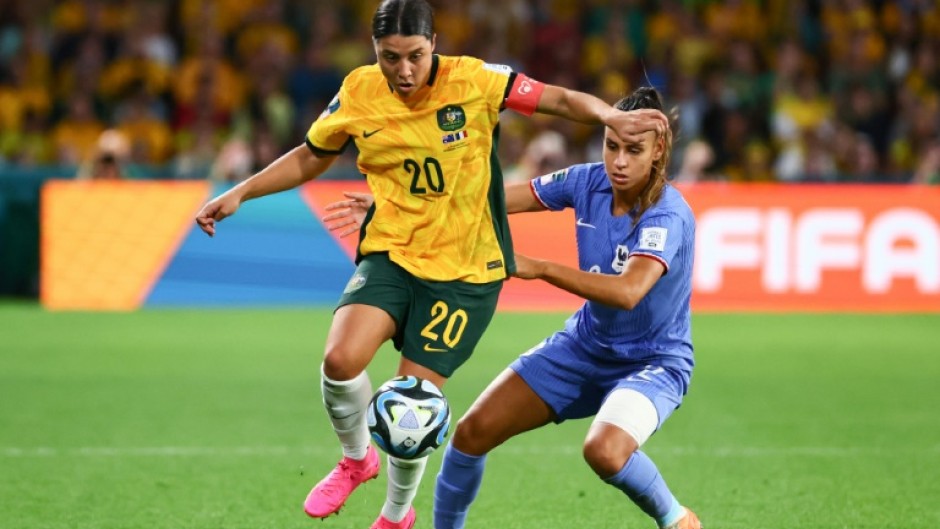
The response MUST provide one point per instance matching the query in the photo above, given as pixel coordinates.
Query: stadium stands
(845, 90)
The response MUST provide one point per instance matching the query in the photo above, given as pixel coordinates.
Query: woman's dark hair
(642, 97)
(648, 97)
(403, 17)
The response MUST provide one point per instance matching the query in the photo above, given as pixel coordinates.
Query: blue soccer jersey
(658, 329)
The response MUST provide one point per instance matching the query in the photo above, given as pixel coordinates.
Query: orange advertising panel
(816, 248)
(542, 235)
(104, 243)
(318, 195)
(767, 248)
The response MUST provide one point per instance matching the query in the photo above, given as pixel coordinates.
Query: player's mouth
(620, 179)
(405, 87)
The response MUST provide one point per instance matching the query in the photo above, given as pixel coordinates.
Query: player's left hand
(629, 124)
(526, 267)
(348, 215)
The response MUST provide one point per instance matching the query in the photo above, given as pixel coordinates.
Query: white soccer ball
(408, 417)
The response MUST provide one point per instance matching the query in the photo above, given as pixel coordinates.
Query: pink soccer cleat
(332, 491)
(406, 523)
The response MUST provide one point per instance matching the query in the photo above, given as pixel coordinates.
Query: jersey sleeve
(505, 88)
(327, 135)
(556, 190)
(659, 237)
(493, 80)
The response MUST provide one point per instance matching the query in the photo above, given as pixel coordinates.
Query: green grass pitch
(212, 419)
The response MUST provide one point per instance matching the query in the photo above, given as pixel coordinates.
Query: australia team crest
(451, 118)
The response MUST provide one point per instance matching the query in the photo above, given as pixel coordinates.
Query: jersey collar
(435, 62)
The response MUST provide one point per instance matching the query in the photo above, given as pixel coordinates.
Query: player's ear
(659, 147)
(433, 41)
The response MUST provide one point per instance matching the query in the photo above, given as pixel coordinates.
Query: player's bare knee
(605, 454)
(336, 365)
(473, 436)
(466, 436)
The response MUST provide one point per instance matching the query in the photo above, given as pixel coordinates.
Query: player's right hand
(348, 215)
(215, 210)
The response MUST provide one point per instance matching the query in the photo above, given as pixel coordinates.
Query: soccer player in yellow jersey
(436, 246)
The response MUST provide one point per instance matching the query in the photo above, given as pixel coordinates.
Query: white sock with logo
(346, 402)
(404, 476)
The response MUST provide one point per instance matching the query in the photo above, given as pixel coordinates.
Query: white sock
(404, 476)
(346, 403)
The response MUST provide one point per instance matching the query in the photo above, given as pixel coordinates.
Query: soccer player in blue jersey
(625, 357)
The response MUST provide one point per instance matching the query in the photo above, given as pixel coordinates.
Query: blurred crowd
(772, 90)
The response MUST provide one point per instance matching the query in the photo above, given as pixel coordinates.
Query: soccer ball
(408, 417)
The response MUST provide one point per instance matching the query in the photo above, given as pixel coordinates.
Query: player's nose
(405, 70)
(621, 159)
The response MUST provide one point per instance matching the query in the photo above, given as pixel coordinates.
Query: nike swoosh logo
(366, 134)
(428, 348)
(580, 222)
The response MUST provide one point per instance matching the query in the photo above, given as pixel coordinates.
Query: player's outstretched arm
(287, 172)
(519, 198)
(585, 108)
(624, 291)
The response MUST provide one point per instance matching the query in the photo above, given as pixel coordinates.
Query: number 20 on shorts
(453, 322)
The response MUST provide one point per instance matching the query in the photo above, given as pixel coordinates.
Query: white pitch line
(157, 451)
(735, 451)
(515, 450)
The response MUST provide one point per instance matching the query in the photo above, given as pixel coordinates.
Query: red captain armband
(524, 94)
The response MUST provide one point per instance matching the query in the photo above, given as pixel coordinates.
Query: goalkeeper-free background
(180, 418)
(163, 385)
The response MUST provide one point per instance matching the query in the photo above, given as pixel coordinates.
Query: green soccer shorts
(438, 322)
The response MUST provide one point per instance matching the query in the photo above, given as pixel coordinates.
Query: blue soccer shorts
(574, 381)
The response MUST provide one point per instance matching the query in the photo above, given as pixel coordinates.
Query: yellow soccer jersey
(430, 161)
